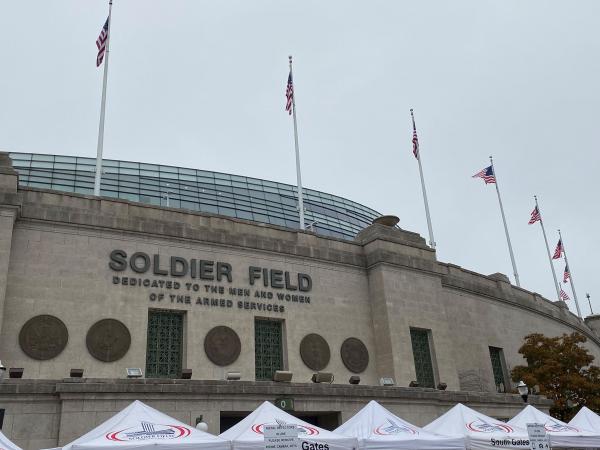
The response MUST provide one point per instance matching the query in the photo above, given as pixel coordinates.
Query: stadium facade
(123, 281)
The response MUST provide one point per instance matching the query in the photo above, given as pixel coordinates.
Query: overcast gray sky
(201, 84)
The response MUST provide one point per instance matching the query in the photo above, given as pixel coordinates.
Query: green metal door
(268, 349)
(422, 357)
(165, 344)
(497, 368)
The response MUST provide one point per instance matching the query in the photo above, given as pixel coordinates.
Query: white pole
(510, 250)
(298, 175)
(431, 239)
(547, 248)
(570, 275)
(102, 110)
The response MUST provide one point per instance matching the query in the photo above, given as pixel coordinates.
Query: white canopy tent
(248, 434)
(7, 444)
(586, 419)
(376, 428)
(140, 427)
(561, 434)
(480, 431)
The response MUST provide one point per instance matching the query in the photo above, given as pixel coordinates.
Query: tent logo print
(559, 427)
(393, 428)
(481, 426)
(302, 429)
(148, 430)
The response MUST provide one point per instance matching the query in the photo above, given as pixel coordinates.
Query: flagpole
(570, 274)
(547, 248)
(418, 155)
(102, 109)
(298, 175)
(510, 250)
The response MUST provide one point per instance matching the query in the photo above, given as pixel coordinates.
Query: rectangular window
(20, 156)
(84, 190)
(165, 344)
(422, 355)
(144, 166)
(190, 205)
(268, 348)
(129, 165)
(241, 214)
(498, 368)
(43, 157)
(83, 168)
(64, 166)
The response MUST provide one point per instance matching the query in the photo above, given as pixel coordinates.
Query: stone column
(8, 215)
(593, 322)
(403, 286)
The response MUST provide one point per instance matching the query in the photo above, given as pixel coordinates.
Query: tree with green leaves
(562, 369)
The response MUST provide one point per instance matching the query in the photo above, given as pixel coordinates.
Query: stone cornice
(73, 388)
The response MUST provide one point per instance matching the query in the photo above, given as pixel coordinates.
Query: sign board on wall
(538, 439)
(188, 281)
(281, 437)
(287, 404)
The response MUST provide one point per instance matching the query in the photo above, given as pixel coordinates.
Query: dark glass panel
(209, 208)
(243, 214)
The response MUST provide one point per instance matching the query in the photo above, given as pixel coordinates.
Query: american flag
(415, 141)
(567, 274)
(558, 251)
(535, 216)
(487, 174)
(289, 94)
(563, 295)
(101, 43)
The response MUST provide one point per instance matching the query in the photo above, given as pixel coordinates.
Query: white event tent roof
(140, 427)
(7, 444)
(248, 434)
(586, 419)
(481, 432)
(561, 434)
(376, 428)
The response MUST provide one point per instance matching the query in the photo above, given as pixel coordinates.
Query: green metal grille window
(422, 355)
(498, 368)
(165, 344)
(268, 350)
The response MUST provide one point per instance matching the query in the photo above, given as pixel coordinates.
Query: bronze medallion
(108, 340)
(355, 355)
(43, 337)
(222, 345)
(314, 351)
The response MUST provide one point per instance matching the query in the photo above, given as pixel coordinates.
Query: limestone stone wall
(375, 289)
(63, 271)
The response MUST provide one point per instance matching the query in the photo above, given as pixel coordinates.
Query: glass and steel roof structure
(198, 190)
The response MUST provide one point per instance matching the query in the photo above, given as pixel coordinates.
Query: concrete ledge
(82, 387)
